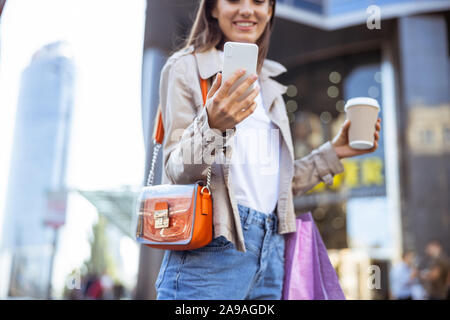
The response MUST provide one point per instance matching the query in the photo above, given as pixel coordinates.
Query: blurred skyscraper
(38, 166)
(2, 5)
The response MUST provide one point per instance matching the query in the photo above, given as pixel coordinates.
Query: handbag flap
(167, 213)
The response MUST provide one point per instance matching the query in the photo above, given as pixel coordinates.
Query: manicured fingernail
(254, 77)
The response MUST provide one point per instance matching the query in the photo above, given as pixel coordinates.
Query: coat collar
(210, 62)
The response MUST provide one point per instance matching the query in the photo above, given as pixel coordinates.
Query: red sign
(56, 209)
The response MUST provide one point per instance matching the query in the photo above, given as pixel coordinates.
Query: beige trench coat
(186, 125)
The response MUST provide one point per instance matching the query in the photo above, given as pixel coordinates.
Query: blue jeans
(219, 272)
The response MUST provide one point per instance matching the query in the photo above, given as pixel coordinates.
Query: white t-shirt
(255, 160)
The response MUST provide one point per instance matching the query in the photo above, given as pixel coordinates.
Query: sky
(106, 148)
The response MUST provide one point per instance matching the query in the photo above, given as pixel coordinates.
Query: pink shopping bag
(309, 274)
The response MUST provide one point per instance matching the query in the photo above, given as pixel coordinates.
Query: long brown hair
(206, 33)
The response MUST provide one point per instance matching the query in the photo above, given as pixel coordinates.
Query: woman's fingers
(377, 136)
(248, 101)
(223, 91)
(346, 125)
(244, 114)
(242, 88)
(215, 86)
(378, 124)
(374, 148)
(377, 129)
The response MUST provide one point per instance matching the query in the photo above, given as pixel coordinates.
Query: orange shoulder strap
(158, 131)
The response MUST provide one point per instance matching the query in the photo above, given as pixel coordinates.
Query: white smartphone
(238, 55)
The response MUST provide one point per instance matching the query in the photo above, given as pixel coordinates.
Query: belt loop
(249, 219)
(267, 223)
(271, 221)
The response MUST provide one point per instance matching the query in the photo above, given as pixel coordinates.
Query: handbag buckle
(161, 218)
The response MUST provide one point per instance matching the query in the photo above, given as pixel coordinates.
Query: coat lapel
(208, 62)
(271, 92)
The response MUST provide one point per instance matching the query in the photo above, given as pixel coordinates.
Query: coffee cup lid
(361, 100)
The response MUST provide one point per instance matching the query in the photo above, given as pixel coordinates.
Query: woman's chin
(244, 39)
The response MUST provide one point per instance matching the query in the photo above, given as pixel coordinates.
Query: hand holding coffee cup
(360, 132)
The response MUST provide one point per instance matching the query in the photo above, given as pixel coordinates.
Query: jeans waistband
(267, 221)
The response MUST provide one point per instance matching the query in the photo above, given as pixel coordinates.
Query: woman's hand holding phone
(222, 105)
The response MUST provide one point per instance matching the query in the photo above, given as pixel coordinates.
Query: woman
(252, 204)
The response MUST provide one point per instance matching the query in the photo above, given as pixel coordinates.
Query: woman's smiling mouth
(244, 25)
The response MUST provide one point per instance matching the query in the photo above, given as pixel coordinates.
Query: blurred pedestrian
(107, 285)
(436, 274)
(403, 277)
(94, 290)
(87, 281)
(118, 291)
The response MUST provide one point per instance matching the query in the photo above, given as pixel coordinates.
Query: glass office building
(37, 166)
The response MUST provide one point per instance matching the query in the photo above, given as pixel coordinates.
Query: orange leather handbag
(174, 217)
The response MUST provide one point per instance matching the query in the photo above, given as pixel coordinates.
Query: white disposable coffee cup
(363, 114)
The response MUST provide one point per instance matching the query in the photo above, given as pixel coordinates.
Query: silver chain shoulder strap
(151, 175)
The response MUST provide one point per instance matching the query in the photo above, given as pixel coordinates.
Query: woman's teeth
(244, 24)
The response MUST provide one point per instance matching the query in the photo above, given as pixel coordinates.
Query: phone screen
(239, 55)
